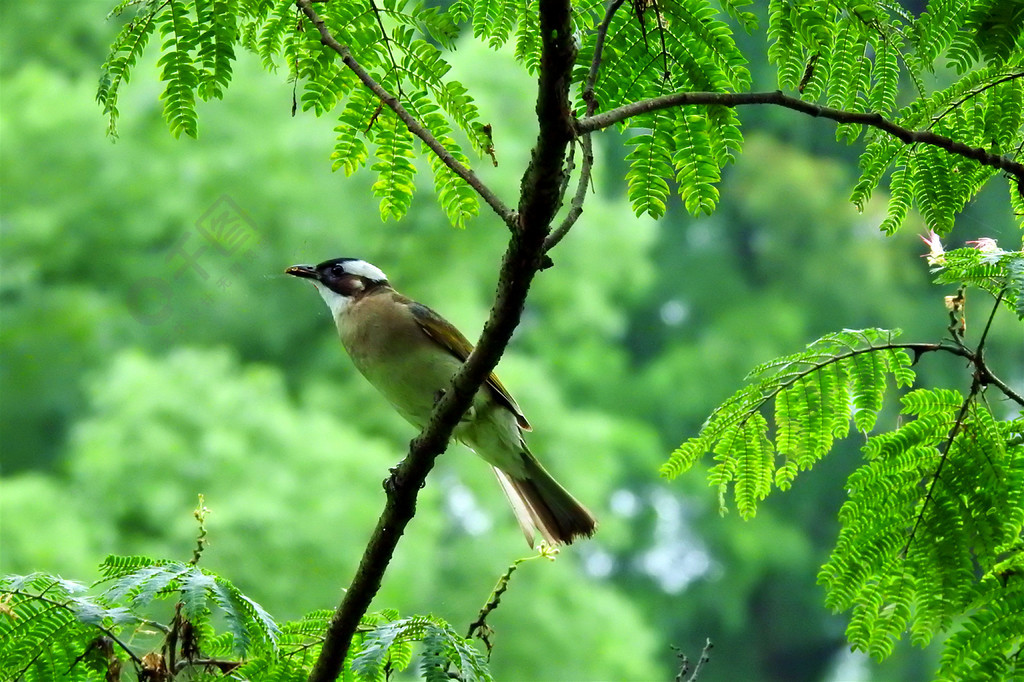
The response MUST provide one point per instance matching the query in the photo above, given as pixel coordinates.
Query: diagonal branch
(415, 127)
(985, 375)
(522, 261)
(387, 44)
(576, 206)
(956, 429)
(874, 120)
(595, 63)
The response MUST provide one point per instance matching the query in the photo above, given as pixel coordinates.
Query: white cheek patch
(335, 301)
(364, 269)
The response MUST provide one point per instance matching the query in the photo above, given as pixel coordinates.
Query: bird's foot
(391, 482)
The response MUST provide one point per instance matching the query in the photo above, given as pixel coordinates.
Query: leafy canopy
(57, 629)
(855, 56)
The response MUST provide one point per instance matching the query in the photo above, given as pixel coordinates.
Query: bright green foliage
(933, 525)
(394, 166)
(382, 646)
(179, 70)
(939, 502)
(123, 54)
(389, 644)
(216, 50)
(987, 647)
(999, 272)
(816, 392)
(650, 163)
(682, 46)
(199, 40)
(136, 581)
(853, 55)
(50, 629)
(984, 109)
(58, 630)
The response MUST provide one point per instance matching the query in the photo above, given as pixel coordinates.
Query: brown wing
(442, 331)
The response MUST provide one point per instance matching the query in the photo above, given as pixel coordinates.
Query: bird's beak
(306, 271)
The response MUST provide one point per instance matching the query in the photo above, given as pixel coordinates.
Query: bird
(409, 353)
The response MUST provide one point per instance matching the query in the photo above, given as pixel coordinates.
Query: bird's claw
(391, 482)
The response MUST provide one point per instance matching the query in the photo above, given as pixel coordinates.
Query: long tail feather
(542, 505)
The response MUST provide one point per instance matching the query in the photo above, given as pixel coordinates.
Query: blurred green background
(142, 366)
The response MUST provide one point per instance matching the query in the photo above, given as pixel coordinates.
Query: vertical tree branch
(537, 206)
(576, 207)
(539, 189)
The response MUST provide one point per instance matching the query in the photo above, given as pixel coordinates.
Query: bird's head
(340, 281)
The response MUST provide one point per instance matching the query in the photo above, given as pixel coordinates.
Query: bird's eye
(338, 270)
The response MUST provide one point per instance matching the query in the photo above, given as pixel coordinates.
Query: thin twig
(387, 44)
(415, 127)
(200, 513)
(570, 163)
(874, 120)
(984, 373)
(953, 433)
(576, 206)
(595, 63)
(684, 662)
(479, 626)
(223, 665)
(980, 350)
(704, 658)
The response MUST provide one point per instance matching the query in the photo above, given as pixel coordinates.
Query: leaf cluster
(394, 40)
(815, 393)
(932, 537)
(989, 268)
(660, 48)
(51, 630)
(933, 529)
(55, 629)
(856, 55)
(853, 55)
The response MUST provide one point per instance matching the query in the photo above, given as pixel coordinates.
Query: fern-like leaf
(395, 171)
(177, 69)
(816, 393)
(124, 53)
(999, 272)
(650, 163)
(217, 37)
(697, 169)
(939, 498)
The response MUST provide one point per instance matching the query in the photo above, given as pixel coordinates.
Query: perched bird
(410, 354)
